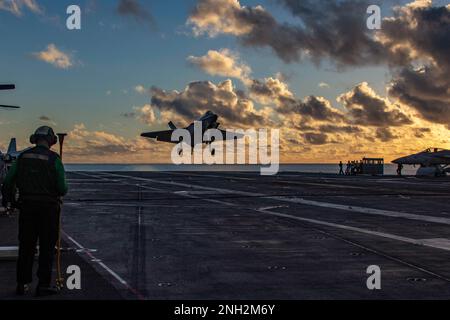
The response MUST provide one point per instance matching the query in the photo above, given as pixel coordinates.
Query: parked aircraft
(7, 158)
(432, 162)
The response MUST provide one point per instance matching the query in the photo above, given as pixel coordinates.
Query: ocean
(389, 169)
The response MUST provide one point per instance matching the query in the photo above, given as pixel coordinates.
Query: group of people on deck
(352, 168)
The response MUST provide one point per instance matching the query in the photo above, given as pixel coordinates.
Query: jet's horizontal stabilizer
(165, 136)
(172, 126)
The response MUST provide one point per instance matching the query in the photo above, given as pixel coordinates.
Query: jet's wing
(164, 136)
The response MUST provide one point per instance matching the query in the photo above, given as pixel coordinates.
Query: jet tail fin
(12, 146)
(172, 126)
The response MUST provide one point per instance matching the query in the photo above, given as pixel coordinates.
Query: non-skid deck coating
(165, 235)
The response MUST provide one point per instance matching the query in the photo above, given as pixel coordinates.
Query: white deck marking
(387, 213)
(443, 244)
(212, 176)
(228, 177)
(371, 211)
(99, 262)
(119, 204)
(324, 184)
(427, 243)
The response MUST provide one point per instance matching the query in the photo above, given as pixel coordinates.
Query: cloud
(55, 57)
(132, 8)
(17, 7)
(335, 30)
(365, 107)
(145, 114)
(47, 119)
(427, 91)
(304, 122)
(271, 90)
(416, 32)
(315, 138)
(363, 123)
(330, 128)
(414, 42)
(385, 134)
(339, 34)
(100, 145)
(319, 108)
(218, 16)
(140, 89)
(419, 35)
(421, 132)
(224, 63)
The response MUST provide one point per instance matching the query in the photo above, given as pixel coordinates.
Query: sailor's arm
(61, 178)
(9, 185)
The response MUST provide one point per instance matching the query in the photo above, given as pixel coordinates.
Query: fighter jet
(433, 162)
(208, 121)
(7, 87)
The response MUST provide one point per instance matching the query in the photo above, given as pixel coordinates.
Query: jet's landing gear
(446, 169)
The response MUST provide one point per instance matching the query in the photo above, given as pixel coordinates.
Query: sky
(335, 89)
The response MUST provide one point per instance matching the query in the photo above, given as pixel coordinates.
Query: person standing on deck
(39, 176)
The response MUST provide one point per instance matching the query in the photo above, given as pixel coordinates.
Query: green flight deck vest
(40, 176)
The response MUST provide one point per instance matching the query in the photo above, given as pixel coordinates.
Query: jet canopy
(434, 150)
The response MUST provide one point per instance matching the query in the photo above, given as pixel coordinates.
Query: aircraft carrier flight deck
(200, 235)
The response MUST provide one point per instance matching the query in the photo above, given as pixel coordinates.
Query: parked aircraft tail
(12, 146)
